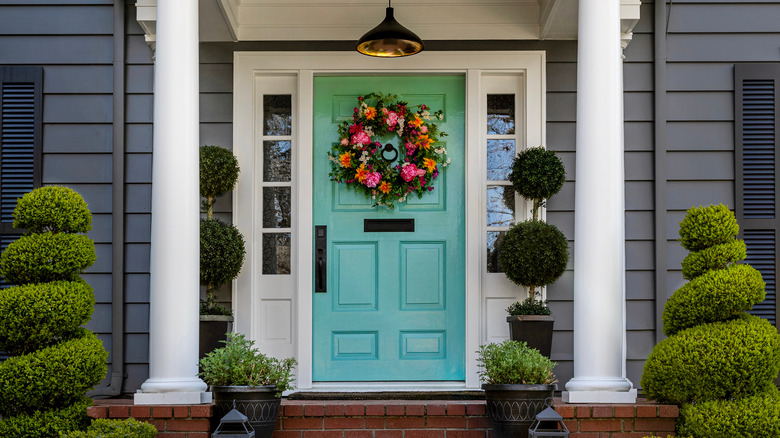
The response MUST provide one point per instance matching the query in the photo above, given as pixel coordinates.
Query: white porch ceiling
(333, 20)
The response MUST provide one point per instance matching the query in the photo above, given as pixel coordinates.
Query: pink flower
(344, 141)
(423, 129)
(420, 172)
(361, 138)
(372, 179)
(392, 119)
(357, 127)
(409, 172)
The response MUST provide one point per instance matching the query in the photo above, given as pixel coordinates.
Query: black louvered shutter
(756, 121)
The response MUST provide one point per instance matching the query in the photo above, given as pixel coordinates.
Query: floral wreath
(361, 161)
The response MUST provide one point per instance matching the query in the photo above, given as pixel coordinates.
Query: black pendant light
(389, 39)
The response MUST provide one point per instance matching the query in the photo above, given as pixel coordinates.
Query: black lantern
(389, 39)
(548, 423)
(234, 425)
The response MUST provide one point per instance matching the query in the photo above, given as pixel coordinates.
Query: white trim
(305, 65)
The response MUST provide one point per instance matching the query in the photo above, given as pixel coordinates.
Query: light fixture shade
(389, 39)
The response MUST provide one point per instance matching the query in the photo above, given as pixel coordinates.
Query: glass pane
(276, 207)
(500, 154)
(501, 114)
(277, 114)
(500, 206)
(276, 253)
(493, 244)
(276, 161)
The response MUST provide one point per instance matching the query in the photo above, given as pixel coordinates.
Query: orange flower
(361, 173)
(429, 164)
(424, 142)
(416, 122)
(385, 187)
(370, 113)
(345, 159)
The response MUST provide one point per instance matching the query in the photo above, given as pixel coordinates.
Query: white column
(599, 213)
(175, 239)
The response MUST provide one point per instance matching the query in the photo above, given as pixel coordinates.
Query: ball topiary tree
(54, 360)
(718, 362)
(534, 253)
(221, 245)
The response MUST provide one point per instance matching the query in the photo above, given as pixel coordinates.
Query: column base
(599, 396)
(171, 398)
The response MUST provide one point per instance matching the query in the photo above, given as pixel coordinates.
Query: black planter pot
(512, 408)
(534, 330)
(212, 330)
(259, 403)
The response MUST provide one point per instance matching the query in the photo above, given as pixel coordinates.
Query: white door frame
(249, 67)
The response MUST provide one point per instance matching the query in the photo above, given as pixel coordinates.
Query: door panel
(395, 302)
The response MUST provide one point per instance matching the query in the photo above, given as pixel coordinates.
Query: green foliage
(52, 377)
(47, 423)
(704, 227)
(128, 428)
(756, 416)
(537, 173)
(528, 306)
(221, 252)
(209, 306)
(534, 253)
(218, 173)
(713, 361)
(512, 362)
(239, 363)
(714, 296)
(44, 257)
(715, 257)
(39, 315)
(52, 208)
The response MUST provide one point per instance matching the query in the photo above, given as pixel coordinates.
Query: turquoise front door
(394, 302)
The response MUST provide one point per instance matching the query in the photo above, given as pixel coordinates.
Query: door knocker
(388, 149)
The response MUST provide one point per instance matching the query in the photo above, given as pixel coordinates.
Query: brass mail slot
(388, 225)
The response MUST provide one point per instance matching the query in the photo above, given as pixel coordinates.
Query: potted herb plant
(221, 245)
(519, 384)
(534, 253)
(238, 373)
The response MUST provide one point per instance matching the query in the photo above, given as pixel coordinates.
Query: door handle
(321, 258)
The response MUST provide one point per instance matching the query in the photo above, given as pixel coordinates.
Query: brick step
(399, 419)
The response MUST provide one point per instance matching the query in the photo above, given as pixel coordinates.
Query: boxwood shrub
(52, 377)
(715, 257)
(128, 428)
(756, 416)
(714, 296)
(534, 253)
(537, 173)
(47, 423)
(52, 208)
(221, 252)
(719, 360)
(34, 316)
(704, 227)
(44, 257)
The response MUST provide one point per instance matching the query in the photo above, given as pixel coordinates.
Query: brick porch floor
(399, 419)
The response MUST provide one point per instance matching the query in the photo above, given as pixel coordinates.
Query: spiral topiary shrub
(27, 323)
(55, 361)
(704, 227)
(726, 359)
(44, 257)
(129, 428)
(754, 416)
(714, 296)
(718, 362)
(715, 257)
(53, 208)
